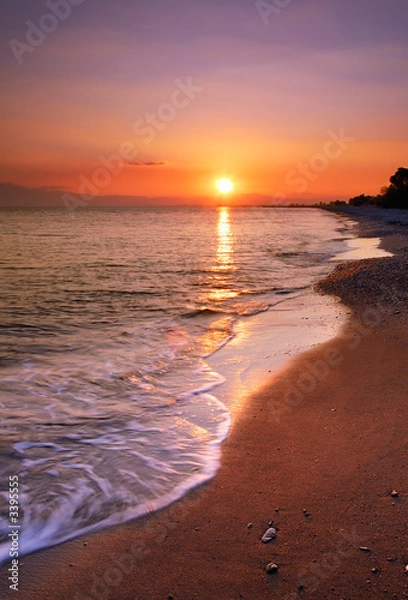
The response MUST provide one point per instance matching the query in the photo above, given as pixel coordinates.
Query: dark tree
(393, 196)
(396, 194)
(361, 200)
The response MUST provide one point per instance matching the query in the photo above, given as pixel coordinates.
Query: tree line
(394, 195)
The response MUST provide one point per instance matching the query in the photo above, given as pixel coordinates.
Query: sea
(109, 408)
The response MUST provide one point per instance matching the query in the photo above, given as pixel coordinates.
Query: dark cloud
(151, 163)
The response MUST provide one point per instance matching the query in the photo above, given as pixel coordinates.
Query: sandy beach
(319, 454)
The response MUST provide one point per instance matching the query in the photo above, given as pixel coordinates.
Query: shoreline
(305, 442)
(265, 343)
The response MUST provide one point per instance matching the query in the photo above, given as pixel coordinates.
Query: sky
(294, 100)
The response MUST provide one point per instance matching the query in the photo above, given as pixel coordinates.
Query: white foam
(63, 525)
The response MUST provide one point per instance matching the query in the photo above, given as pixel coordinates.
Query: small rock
(271, 568)
(85, 543)
(270, 523)
(374, 570)
(394, 494)
(365, 549)
(71, 565)
(269, 535)
(406, 569)
(249, 526)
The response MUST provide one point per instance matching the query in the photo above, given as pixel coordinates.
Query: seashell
(269, 535)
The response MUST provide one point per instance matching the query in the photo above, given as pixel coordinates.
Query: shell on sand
(269, 535)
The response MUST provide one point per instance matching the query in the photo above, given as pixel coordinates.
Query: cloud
(151, 163)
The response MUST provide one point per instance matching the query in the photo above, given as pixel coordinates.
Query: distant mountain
(17, 196)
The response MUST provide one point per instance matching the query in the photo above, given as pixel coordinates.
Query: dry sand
(317, 452)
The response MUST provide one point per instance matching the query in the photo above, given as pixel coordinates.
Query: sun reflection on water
(220, 282)
(225, 250)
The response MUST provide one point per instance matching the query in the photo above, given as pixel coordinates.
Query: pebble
(365, 549)
(394, 494)
(271, 568)
(269, 535)
(249, 525)
(406, 569)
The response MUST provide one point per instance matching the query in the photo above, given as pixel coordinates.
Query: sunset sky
(299, 99)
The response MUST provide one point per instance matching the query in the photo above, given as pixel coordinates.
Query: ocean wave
(108, 410)
(205, 311)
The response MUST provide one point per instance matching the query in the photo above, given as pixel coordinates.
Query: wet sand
(317, 452)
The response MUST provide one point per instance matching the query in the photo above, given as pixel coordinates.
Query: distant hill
(17, 196)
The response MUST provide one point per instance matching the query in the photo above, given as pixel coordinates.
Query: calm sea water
(108, 407)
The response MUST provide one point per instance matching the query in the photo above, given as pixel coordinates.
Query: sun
(224, 185)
